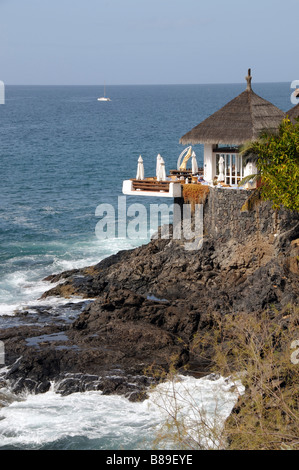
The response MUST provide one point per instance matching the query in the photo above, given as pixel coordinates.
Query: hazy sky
(147, 41)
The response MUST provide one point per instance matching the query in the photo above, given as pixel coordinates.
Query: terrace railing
(150, 185)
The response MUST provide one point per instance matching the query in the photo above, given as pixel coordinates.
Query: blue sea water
(62, 153)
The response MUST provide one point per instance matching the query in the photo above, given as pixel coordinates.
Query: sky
(91, 42)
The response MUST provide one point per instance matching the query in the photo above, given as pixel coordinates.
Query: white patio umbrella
(194, 164)
(162, 172)
(250, 169)
(221, 169)
(158, 165)
(140, 169)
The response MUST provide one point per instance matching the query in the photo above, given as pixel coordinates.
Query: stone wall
(225, 219)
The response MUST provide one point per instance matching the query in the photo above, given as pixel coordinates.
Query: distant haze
(89, 42)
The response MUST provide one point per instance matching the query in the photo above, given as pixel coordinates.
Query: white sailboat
(104, 98)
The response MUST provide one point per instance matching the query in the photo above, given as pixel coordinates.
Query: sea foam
(91, 420)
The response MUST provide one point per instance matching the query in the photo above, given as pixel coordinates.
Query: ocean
(62, 154)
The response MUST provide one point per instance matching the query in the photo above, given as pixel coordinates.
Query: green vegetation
(276, 156)
(260, 350)
(259, 346)
(186, 424)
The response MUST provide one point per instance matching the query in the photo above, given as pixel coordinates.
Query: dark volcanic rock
(119, 331)
(122, 329)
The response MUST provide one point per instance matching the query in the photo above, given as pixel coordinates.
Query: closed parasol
(221, 169)
(194, 164)
(140, 169)
(161, 176)
(158, 165)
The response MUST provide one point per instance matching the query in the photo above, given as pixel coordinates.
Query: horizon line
(139, 84)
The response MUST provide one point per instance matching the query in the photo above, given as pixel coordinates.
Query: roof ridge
(293, 113)
(250, 93)
(239, 120)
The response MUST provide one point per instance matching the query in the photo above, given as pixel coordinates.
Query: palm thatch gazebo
(293, 113)
(239, 121)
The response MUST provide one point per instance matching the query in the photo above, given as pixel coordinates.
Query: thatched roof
(240, 120)
(293, 113)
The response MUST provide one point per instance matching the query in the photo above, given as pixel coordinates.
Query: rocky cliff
(147, 304)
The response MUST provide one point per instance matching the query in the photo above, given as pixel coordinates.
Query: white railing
(233, 167)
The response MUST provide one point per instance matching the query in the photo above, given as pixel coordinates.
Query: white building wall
(209, 163)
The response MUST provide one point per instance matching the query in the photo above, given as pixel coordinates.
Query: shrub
(277, 158)
(195, 194)
(255, 349)
(258, 346)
